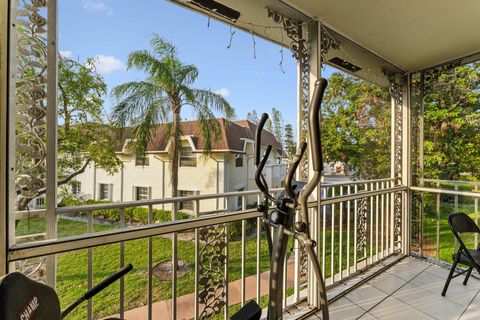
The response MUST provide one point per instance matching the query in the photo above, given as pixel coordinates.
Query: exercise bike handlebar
(293, 168)
(108, 281)
(96, 289)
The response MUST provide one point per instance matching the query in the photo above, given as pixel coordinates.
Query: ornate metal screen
(31, 100)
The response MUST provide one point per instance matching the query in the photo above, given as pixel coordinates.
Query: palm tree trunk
(175, 149)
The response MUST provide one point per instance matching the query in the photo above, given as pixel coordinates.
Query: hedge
(132, 215)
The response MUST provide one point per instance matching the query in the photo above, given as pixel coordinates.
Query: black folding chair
(461, 223)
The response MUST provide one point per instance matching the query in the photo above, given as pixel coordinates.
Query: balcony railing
(432, 203)
(356, 224)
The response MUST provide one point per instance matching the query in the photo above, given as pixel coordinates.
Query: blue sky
(109, 30)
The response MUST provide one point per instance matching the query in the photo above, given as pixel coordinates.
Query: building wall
(207, 177)
(216, 173)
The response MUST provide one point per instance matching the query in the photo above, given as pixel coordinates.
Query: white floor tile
(366, 296)
(387, 282)
(367, 316)
(456, 292)
(408, 268)
(344, 309)
(394, 309)
(432, 304)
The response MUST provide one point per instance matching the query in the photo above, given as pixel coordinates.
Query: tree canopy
(452, 124)
(356, 125)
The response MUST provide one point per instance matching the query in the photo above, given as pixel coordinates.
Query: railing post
(174, 264)
(476, 211)
(196, 210)
(4, 144)
(89, 266)
(244, 231)
(150, 261)
(122, 263)
(438, 224)
(52, 120)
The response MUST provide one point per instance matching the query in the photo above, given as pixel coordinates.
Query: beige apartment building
(229, 167)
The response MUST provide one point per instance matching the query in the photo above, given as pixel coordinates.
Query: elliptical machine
(281, 219)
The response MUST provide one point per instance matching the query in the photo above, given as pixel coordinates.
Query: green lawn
(446, 239)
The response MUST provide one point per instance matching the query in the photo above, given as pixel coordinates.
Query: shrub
(132, 215)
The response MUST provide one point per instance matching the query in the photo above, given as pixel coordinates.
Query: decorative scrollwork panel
(417, 219)
(397, 217)
(362, 219)
(299, 48)
(211, 270)
(31, 106)
(431, 75)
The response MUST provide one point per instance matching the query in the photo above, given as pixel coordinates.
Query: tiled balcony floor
(409, 290)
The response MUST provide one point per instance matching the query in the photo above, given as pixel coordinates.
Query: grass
(446, 241)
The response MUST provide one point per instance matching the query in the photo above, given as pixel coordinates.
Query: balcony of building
(384, 245)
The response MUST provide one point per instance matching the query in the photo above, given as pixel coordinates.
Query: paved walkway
(185, 304)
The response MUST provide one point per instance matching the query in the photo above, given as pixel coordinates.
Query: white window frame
(109, 191)
(142, 161)
(147, 193)
(237, 158)
(76, 187)
(187, 158)
(186, 205)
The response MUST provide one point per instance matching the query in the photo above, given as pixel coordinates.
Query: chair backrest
(23, 298)
(460, 222)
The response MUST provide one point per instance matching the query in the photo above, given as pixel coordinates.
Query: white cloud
(66, 53)
(97, 6)
(223, 92)
(106, 64)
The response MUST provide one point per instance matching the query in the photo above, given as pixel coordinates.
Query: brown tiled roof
(231, 138)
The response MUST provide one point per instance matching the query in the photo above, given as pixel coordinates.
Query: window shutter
(110, 191)
(134, 193)
(149, 192)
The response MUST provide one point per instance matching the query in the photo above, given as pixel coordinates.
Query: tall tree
(277, 121)
(161, 98)
(289, 144)
(356, 125)
(253, 117)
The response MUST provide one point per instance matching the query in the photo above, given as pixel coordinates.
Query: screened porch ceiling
(400, 36)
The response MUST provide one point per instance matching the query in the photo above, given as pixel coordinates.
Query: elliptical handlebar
(258, 137)
(293, 168)
(314, 124)
(259, 178)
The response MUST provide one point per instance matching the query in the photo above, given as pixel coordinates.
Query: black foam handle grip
(258, 137)
(105, 283)
(314, 124)
(293, 167)
(258, 173)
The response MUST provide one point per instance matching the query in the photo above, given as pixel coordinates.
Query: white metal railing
(355, 225)
(432, 212)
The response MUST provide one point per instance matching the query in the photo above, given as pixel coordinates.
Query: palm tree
(161, 97)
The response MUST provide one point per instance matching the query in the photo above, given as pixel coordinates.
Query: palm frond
(160, 70)
(214, 100)
(162, 47)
